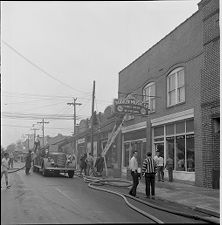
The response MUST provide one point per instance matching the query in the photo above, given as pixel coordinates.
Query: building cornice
(173, 117)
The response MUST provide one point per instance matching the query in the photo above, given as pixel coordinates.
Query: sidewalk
(198, 198)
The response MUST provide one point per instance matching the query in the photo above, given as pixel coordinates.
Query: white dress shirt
(133, 164)
(160, 161)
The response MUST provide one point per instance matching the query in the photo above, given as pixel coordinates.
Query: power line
(48, 96)
(53, 128)
(39, 68)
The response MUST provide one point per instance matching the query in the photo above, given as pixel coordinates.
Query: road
(38, 199)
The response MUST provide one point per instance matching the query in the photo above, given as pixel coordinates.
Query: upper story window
(149, 95)
(175, 87)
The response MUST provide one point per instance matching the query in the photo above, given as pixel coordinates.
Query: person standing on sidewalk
(5, 167)
(169, 167)
(89, 162)
(11, 159)
(160, 166)
(99, 164)
(149, 170)
(83, 164)
(28, 162)
(133, 166)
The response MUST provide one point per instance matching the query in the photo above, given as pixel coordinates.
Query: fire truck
(48, 163)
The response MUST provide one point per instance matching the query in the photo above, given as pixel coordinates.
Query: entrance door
(160, 148)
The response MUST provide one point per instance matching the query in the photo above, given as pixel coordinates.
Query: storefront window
(190, 152)
(126, 154)
(190, 125)
(170, 148)
(180, 153)
(160, 148)
(179, 143)
(180, 127)
(169, 129)
(158, 131)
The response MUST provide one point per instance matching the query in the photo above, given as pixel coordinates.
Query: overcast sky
(52, 52)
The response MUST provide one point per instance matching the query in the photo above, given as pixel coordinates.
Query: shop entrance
(160, 148)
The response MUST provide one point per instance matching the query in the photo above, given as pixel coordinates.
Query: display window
(176, 140)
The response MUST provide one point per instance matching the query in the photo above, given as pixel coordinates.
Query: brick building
(179, 78)
(210, 95)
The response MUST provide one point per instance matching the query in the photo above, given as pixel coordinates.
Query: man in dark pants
(133, 165)
(149, 170)
(169, 167)
(28, 162)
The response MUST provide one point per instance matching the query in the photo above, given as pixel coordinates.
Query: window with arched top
(175, 87)
(149, 94)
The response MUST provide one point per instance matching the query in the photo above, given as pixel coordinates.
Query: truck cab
(53, 163)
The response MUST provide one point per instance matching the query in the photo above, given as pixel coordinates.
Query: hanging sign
(131, 105)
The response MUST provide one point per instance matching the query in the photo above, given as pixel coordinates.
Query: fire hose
(16, 170)
(95, 182)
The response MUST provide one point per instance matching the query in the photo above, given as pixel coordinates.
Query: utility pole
(74, 103)
(93, 98)
(28, 140)
(43, 122)
(34, 129)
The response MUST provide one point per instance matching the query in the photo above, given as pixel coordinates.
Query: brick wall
(210, 89)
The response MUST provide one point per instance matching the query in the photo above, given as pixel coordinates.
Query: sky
(52, 51)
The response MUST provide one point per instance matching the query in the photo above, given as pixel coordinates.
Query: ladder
(111, 140)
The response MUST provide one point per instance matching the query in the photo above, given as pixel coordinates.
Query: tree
(19, 145)
(11, 147)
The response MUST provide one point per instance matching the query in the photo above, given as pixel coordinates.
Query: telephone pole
(28, 139)
(92, 117)
(43, 128)
(74, 103)
(34, 129)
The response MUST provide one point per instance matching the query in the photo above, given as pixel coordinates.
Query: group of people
(150, 167)
(87, 164)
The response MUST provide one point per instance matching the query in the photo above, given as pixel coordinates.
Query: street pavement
(202, 199)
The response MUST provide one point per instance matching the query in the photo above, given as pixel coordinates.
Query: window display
(179, 141)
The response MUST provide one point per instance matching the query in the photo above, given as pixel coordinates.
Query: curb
(207, 211)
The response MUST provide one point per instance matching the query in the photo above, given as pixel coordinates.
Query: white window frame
(175, 73)
(147, 98)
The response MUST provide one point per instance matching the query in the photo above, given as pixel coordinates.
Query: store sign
(80, 141)
(131, 105)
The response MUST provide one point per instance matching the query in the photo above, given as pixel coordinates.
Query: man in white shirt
(160, 167)
(133, 166)
(156, 156)
(5, 167)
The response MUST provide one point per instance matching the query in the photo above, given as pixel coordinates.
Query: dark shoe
(148, 197)
(136, 196)
(153, 197)
(162, 180)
